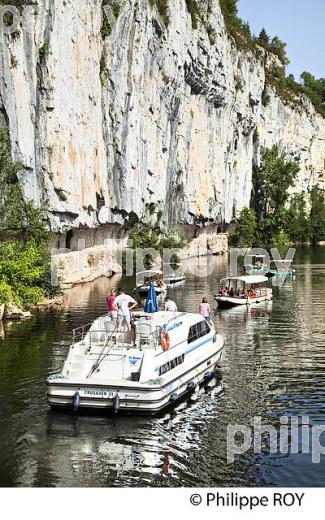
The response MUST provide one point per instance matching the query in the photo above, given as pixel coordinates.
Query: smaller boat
(258, 264)
(173, 276)
(144, 279)
(243, 290)
(284, 270)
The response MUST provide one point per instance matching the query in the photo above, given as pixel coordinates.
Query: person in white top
(123, 304)
(170, 305)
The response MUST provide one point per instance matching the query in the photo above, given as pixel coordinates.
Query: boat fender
(116, 403)
(191, 385)
(76, 401)
(173, 397)
(208, 375)
(164, 339)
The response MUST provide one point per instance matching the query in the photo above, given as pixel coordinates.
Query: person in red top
(110, 304)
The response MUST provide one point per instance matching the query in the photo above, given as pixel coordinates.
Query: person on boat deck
(110, 302)
(205, 310)
(170, 305)
(123, 304)
(231, 293)
(252, 293)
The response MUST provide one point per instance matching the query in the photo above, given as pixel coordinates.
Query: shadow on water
(273, 366)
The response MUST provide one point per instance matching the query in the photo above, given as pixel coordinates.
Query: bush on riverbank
(148, 237)
(25, 270)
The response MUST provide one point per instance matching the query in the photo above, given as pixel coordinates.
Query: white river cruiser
(243, 290)
(170, 354)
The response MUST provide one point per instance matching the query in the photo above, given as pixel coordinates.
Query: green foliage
(315, 90)
(239, 84)
(278, 47)
(24, 249)
(106, 26)
(193, 9)
(284, 87)
(44, 50)
(163, 10)
(245, 234)
(242, 33)
(23, 267)
(263, 39)
(265, 97)
(115, 6)
(238, 29)
(271, 183)
(317, 215)
(273, 179)
(145, 237)
(281, 218)
(6, 294)
(297, 225)
(291, 92)
(20, 4)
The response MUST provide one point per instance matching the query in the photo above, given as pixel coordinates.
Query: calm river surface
(274, 366)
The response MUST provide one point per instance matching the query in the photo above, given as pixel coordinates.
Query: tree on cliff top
(263, 39)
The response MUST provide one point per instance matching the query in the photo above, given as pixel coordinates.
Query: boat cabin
(243, 290)
(149, 276)
(131, 356)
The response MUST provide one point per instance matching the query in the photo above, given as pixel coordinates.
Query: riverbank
(70, 268)
(13, 312)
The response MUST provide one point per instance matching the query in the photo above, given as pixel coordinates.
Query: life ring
(164, 340)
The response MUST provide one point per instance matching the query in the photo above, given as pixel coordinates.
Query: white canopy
(249, 279)
(149, 272)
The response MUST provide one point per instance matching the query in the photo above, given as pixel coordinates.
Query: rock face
(12, 312)
(146, 122)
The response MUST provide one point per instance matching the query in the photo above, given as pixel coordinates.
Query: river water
(273, 366)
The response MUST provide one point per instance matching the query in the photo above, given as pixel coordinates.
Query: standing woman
(110, 305)
(205, 310)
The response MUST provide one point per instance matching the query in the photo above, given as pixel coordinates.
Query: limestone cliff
(147, 121)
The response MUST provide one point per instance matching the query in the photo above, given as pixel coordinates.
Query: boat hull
(226, 302)
(135, 398)
(142, 292)
(174, 280)
(278, 274)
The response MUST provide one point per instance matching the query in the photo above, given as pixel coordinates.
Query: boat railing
(120, 338)
(149, 340)
(79, 333)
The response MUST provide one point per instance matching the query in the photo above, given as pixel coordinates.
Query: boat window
(171, 364)
(198, 331)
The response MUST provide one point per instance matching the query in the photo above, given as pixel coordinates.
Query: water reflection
(273, 366)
